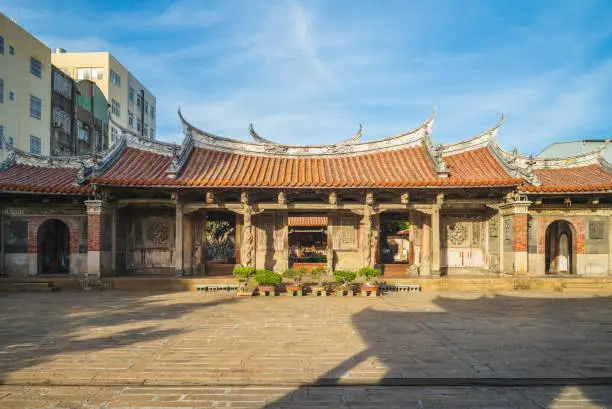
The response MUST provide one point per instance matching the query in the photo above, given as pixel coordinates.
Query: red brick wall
(94, 236)
(34, 223)
(577, 223)
(520, 236)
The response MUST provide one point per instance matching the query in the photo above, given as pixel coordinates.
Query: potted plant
(344, 278)
(243, 274)
(295, 275)
(370, 286)
(318, 274)
(267, 280)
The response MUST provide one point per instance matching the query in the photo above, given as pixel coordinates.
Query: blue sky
(307, 72)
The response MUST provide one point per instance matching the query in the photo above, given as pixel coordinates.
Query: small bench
(214, 288)
(408, 288)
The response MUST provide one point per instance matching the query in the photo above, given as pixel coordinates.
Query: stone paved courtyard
(113, 349)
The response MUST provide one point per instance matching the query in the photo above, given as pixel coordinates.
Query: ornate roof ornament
(263, 146)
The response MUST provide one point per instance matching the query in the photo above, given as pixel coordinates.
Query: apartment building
(25, 89)
(131, 104)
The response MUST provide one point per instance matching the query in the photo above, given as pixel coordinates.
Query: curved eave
(478, 141)
(259, 139)
(203, 139)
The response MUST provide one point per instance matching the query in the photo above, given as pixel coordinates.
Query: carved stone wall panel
(349, 228)
(16, 236)
(596, 229)
(494, 226)
(457, 234)
(155, 232)
(476, 234)
(265, 231)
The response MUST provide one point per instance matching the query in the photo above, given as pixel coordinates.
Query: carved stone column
(367, 244)
(247, 249)
(94, 236)
(178, 240)
(203, 250)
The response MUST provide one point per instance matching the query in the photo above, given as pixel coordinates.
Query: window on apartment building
(34, 144)
(138, 124)
(35, 67)
(116, 108)
(35, 107)
(11, 141)
(131, 119)
(147, 107)
(90, 73)
(11, 95)
(61, 119)
(131, 94)
(115, 78)
(152, 112)
(11, 50)
(138, 100)
(82, 134)
(151, 133)
(1, 91)
(114, 134)
(1, 135)
(62, 85)
(1, 45)
(146, 130)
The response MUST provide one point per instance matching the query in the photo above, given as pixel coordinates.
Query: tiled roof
(572, 179)
(477, 167)
(393, 168)
(307, 221)
(29, 178)
(136, 167)
(406, 167)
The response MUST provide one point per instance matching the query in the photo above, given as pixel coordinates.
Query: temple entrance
(220, 243)
(394, 239)
(560, 251)
(307, 241)
(53, 247)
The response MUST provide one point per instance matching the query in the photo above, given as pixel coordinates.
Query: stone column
(435, 241)
(203, 244)
(114, 237)
(94, 236)
(515, 214)
(178, 240)
(425, 267)
(247, 249)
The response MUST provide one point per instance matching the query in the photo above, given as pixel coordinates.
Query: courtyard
(185, 349)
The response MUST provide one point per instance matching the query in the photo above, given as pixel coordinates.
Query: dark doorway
(53, 247)
(560, 252)
(394, 239)
(220, 238)
(307, 240)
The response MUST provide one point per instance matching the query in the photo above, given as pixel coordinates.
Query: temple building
(404, 203)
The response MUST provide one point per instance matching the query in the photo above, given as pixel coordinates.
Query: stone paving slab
(110, 341)
(305, 397)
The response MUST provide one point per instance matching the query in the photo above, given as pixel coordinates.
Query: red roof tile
(307, 221)
(28, 178)
(137, 167)
(407, 167)
(572, 179)
(477, 167)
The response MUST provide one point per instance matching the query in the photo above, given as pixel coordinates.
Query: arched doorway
(560, 242)
(53, 247)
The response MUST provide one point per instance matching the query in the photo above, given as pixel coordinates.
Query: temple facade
(404, 203)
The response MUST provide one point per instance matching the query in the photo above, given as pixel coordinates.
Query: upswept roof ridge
(262, 146)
